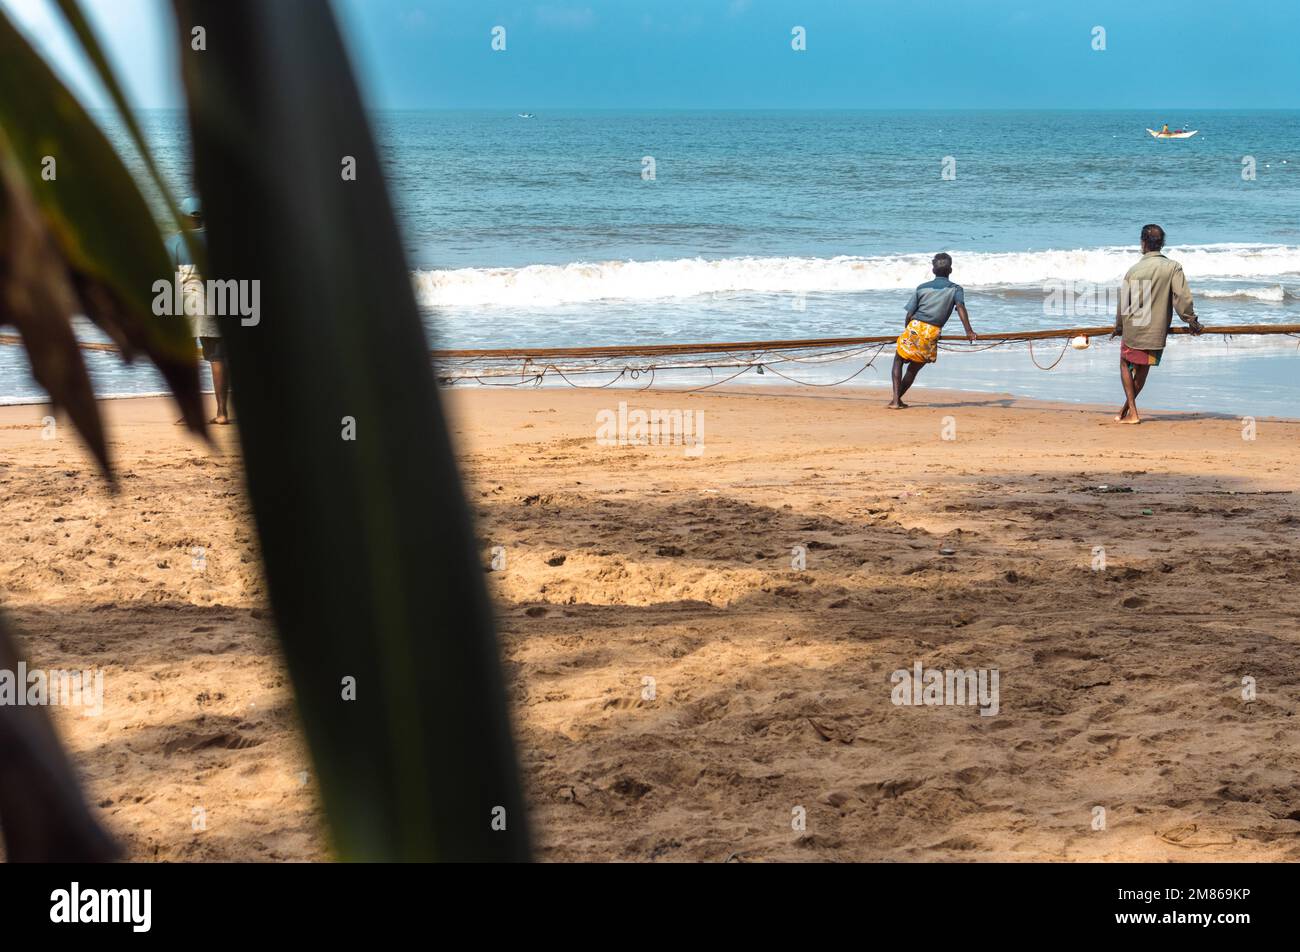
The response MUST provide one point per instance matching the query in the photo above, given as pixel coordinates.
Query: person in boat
(1153, 290)
(928, 309)
(1164, 130)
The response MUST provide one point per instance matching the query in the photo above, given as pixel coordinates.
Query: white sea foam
(1271, 295)
(582, 282)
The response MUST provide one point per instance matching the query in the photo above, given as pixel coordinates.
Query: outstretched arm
(965, 322)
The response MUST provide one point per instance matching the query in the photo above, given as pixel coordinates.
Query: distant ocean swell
(582, 282)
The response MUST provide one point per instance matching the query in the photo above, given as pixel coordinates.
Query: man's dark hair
(942, 264)
(1153, 237)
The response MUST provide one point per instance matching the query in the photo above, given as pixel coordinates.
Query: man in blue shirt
(204, 325)
(928, 309)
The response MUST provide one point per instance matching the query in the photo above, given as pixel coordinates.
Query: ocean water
(550, 231)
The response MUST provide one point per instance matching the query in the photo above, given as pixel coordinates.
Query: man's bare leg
(909, 378)
(1129, 379)
(1139, 378)
(897, 377)
(1126, 369)
(902, 381)
(221, 389)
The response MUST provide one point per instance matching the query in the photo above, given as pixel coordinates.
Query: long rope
(815, 343)
(1052, 366)
(762, 356)
(538, 362)
(657, 350)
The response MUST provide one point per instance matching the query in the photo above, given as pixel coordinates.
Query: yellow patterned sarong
(919, 343)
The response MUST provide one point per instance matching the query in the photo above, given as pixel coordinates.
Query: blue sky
(623, 54)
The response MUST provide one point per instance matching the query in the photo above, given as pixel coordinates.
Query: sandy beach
(699, 648)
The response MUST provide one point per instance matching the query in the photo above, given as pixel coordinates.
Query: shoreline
(921, 397)
(1212, 378)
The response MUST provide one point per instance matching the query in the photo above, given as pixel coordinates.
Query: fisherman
(928, 309)
(203, 326)
(1152, 291)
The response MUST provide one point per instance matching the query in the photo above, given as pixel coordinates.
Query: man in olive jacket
(1153, 291)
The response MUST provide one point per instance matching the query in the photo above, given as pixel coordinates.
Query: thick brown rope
(654, 350)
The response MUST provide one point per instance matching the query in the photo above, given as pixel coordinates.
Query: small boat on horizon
(526, 115)
(1167, 133)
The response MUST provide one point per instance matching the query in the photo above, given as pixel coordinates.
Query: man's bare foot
(897, 405)
(1128, 420)
(220, 420)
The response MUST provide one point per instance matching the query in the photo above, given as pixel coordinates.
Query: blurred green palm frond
(371, 556)
(369, 548)
(95, 53)
(78, 237)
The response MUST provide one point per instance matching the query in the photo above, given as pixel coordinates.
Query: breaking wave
(581, 282)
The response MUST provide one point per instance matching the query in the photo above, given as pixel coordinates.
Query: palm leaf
(100, 224)
(95, 53)
(37, 297)
(43, 816)
(369, 550)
